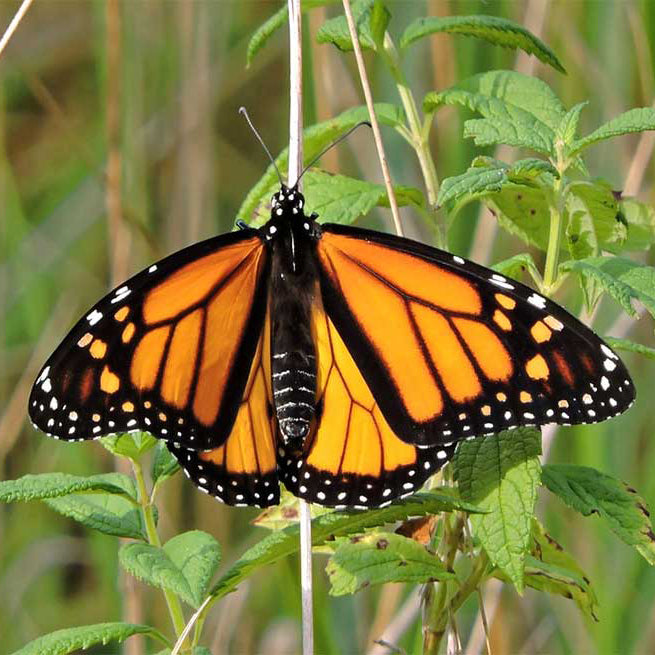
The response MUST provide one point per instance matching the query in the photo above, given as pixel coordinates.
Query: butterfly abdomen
(293, 355)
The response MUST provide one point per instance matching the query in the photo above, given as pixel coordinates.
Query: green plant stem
(436, 600)
(551, 274)
(173, 602)
(418, 134)
(433, 638)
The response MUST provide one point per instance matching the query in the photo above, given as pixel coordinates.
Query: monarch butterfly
(343, 362)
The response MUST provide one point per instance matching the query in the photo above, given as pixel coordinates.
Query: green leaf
(523, 211)
(185, 565)
(498, 31)
(261, 36)
(624, 280)
(500, 473)
(108, 513)
(476, 181)
(515, 266)
(277, 545)
(381, 557)
(594, 223)
(285, 513)
(589, 491)
(71, 640)
(153, 566)
(52, 485)
(133, 445)
(630, 346)
(518, 110)
(196, 555)
(528, 169)
(640, 119)
(488, 175)
(550, 568)
(380, 17)
(640, 218)
(315, 138)
(336, 32)
(164, 464)
(568, 126)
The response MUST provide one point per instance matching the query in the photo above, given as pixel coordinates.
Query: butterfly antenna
(334, 143)
(244, 112)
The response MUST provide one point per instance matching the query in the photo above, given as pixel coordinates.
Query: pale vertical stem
(295, 166)
(119, 244)
(366, 87)
(295, 92)
(15, 22)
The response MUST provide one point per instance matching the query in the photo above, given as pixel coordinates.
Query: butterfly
(343, 362)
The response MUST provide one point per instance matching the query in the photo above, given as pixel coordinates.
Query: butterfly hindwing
(352, 458)
(168, 351)
(451, 350)
(243, 471)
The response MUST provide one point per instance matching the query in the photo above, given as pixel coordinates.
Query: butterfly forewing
(452, 350)
(168, 351)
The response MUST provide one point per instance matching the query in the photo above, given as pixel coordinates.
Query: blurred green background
(120, 142)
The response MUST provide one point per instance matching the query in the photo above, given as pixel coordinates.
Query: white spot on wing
(94, 317)
(537, 300)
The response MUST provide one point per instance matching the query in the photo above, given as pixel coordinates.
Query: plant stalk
(418, 132)
(366, 87)
(550, 281)
(173, 602)
(295, 167)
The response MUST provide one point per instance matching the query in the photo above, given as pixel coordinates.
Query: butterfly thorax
(293, 285)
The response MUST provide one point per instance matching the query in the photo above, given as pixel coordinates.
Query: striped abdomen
(294, 391)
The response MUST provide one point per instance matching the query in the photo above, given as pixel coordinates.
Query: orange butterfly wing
(451, 350)
(352, 458)
(243, 471)
(168, 352)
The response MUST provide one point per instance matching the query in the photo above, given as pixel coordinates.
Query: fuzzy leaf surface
(589, 491)
(107, 513)
(594, 221)
(72, 640)
(196, 555)
(378, 558)
(640, 119)
(640, 218)
(153, 566)
(624, 280)
(51, 485)
(496, 30)
(164, 465)
(336, 32)
(518, 110)
(133, 446)
(500, 473)
(630, 346)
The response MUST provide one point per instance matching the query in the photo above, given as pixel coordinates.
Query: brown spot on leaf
(382, 544)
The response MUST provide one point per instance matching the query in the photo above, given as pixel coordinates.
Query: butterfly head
(287, 202)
